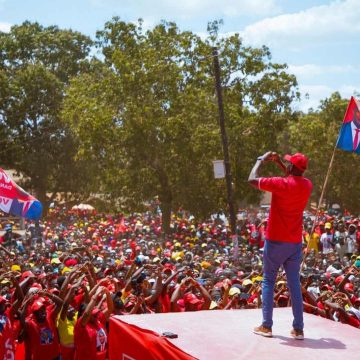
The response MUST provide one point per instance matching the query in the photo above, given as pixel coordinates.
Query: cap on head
(299, 160)
(327, 225)
(37, 305)
(191, 298)
(234, 291)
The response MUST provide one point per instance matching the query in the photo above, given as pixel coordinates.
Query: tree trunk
(166, 216)
(41, 196)
(165, 198)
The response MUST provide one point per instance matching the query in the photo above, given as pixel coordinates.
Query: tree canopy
(36, 64)
(153, 99)
(133, 115)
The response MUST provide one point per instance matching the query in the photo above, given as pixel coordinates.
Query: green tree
(257, 96)
(36, 64)
(149, 114)
(315, 134)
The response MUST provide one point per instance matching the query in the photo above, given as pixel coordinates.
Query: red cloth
(140, 344)
(43, 338)
(77, 301)
(71, 262)
(67, 353)
(7, 338)
(165, 303)
(289, 198)
(91, 340)
(20, 352)
(354, 322)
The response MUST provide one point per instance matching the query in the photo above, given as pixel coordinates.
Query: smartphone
(169, 335)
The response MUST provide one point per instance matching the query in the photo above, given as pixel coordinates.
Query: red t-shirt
(91, 340)
(77, 301)
(289, 198)
(354, 322)
(165, 303)
(42, 339)
(7, 337)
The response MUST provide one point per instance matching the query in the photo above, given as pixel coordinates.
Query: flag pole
(321, 196)
(352, 100)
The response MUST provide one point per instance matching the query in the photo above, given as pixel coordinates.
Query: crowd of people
(61, 282)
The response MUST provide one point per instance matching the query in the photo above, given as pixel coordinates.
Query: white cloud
(147, 24)
(327, 23)
(310, 70)
(312, 94)
(349, 90)
(193, 8)
(5, 27)
(231, 8)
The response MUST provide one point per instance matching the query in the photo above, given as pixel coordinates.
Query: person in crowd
(80, 257)
(38, 318)
(327, 239)
(90, 334)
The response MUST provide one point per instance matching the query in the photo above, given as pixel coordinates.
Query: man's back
(289, 198)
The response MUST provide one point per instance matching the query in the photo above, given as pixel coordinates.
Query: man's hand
(266, 156)
(275, 157)
(270, 156)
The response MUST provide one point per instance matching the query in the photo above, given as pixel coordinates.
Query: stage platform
(227, 335)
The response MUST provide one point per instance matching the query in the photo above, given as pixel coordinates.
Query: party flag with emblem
(14, 200)
(349, 136)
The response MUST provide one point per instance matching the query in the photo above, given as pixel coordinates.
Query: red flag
(349, 136)
(16, 201)
(120, 228)
(129, 342)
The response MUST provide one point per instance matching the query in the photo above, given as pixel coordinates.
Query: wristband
(260, 158)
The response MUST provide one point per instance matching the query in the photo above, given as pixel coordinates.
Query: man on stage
(283, 245)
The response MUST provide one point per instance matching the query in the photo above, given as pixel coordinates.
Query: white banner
(219, 169)
(5, 204)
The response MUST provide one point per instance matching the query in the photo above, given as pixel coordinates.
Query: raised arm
(268, 156)
(89, 308)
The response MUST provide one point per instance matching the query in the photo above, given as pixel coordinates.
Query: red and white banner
(130, 342)
(16, 201)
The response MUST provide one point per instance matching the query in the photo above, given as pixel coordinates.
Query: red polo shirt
(91, 340)
(289, 198)
(42, 338)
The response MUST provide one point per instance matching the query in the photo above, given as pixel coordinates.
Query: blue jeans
(289, 255)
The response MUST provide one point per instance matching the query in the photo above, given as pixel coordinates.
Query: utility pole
(225, 150)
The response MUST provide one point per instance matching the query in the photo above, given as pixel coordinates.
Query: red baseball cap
(349, 287)
(339, 279)
(37, 305)
(191, 298)
(36, 286)
(299, 160)
(26, 274)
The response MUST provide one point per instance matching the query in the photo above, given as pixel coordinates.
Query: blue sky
(318, 39)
